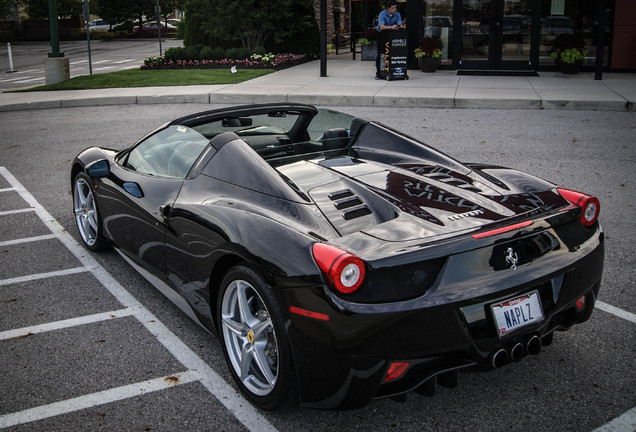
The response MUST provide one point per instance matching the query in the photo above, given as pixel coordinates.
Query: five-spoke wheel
(87, 215)
(254, 339)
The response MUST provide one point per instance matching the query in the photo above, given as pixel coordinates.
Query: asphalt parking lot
(87, 344)
(30, 231)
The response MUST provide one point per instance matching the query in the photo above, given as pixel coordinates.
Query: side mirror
(98, 169)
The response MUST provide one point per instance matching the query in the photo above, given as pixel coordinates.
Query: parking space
(35, 76)
(106, 56)
(83, 341)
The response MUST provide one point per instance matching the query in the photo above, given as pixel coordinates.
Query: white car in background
(100, 25)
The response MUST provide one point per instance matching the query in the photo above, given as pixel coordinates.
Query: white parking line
(27, 240)
(30, 80)
(10, 212)
(71, 322)
(616, 311)
(15, 79)
(233, 401)
(623, 423)
(96, 399)
(37, 276)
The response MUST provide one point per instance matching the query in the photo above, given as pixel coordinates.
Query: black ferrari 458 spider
(339, 260)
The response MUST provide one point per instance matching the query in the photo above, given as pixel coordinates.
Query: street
(87, 344)
(106, 56)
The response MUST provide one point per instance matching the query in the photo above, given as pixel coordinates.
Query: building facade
(505, 35)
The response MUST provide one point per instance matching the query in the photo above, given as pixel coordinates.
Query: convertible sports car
(339, 260)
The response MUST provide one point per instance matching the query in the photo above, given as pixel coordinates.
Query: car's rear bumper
(343, 360)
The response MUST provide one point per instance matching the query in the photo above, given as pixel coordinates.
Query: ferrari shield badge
(512, 258)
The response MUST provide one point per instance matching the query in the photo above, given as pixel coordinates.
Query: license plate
(516, 313)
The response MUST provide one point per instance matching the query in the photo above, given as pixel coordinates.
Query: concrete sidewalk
(351, 82)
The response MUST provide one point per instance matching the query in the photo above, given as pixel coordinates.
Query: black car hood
(407, 201)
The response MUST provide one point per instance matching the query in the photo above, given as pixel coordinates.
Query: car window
(262, 124)
(328, 119)
(171, 152)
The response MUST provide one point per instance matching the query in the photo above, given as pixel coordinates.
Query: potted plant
(568, 53)
(368, 45)
(429, 54)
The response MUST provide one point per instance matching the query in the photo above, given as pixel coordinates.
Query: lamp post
(87, 18)
(56, 66)
(55, 37)
(158, 11)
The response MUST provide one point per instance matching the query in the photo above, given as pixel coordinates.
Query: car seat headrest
(334, 139)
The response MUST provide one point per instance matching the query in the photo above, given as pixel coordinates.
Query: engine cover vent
(351, 206)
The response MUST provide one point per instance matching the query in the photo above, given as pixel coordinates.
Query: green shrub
(243, 53)
(232, 53)
(259, 50)
(174, 54)
(99, 35)
(218, 53)
(206, 53)
(192, 52)
(125, 27)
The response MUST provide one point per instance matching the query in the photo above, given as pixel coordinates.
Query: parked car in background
(151, 26)
(100, 25)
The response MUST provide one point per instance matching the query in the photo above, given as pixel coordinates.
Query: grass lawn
(154, 78)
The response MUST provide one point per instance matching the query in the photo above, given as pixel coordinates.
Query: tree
(113, 11)
(39, 9)
(117, 11)
(139, 8)
(246, 23)
(197, 13)
(8, 8)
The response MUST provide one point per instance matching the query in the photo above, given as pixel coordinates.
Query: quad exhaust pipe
(515, 351)
(498, 358)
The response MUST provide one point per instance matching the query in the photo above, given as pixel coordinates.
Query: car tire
(87, 215)
(255, 341)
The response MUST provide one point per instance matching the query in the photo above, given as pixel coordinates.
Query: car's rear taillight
(343, 271)
(590, 206)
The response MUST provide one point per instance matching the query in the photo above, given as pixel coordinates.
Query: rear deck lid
(401, 203)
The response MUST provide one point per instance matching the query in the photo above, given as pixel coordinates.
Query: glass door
(496, 34)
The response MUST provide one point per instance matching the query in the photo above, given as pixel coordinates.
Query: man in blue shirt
(389, 19)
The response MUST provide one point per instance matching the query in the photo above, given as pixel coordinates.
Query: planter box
(369, 52)
(428, 64)
(569, 68)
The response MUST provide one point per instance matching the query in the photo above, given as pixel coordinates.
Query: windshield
(170, 152)
(260, 124)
